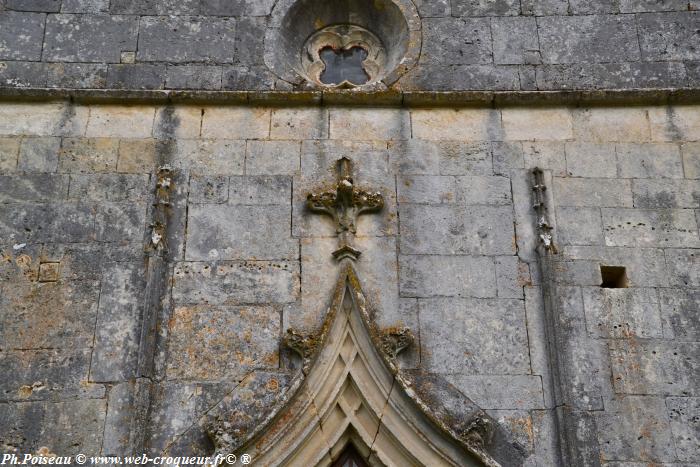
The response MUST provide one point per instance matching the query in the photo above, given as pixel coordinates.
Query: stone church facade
(476, 244)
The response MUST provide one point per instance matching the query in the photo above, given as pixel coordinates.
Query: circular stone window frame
(283, 56)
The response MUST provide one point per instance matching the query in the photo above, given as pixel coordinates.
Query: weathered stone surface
(260, 190)
(683, 413)
(515, 41)
(591, 160)
(680, 312)
(50, 374)
(428, 77)
(22, 74)
(29, 119)
(211, 156)
(592, 192)
(426, 189)
(537, 124)
(598, 38)
(120, 122)
(480, 190)
(683, 267)
(118, 327)
(376, 268)
(9, 154)
(88, 155)
(135, 76)
(208, 189)
(177, 122)
(649, 160)
(49, 6)
(313, 123)
(622, 313)
(691, 160)
(33, 187)
(186, 39)
(76, 75)
(373, 124)
(667, 36)
(645, 267)
(89, 38)
(39, 154)
(120, 222)
(655, 367)
(27, 223)
(604, 124)
(272, 157)
(546, 155)
(33, 425)
(636, 428)
(231, 283)
(456, 41)
(453, 276)
(110, 187)
(674, 123)
(626, 75)
(485, 8)
(501, 392)
(236, 122)
(579, 226)
(544, 7)
(462, 125)
(454, 229)
(511, 276)
(205, 337)
(48, 315)
(506, 157)
(193, 77)
(240, 232)
(138, 156)
(481, 333)
(84, 6)
(666, 193)
(650, 228)
(21, 35)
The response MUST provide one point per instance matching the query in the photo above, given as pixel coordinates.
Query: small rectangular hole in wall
(614, 277)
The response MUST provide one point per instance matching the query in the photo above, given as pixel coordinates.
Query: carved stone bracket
(345, 204)
(396, 340)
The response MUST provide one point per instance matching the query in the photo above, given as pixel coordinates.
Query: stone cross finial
(345, 205)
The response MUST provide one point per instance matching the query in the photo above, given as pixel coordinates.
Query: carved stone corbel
(396, 340)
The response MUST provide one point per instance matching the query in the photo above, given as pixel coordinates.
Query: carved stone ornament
(352, 392)
(343, 38)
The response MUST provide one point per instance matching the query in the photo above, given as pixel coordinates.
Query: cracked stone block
(89, 38)
(655, 367)
(231, 282)
(456, 276)
(214, 342)
(635, 428)
(684, 413)
(454, 229)
(484, 336)
(622, 313)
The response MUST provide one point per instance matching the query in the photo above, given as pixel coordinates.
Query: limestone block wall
(111, 345)
(219, 45)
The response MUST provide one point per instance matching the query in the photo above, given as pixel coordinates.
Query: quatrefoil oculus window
(343, 56)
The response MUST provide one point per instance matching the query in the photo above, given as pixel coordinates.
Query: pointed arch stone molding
(350, 390)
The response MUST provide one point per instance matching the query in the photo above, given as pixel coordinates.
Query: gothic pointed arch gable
(350, 392)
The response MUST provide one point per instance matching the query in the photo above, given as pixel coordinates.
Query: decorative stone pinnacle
(345, 205)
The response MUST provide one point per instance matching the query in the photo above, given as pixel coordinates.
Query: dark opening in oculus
(343, 65)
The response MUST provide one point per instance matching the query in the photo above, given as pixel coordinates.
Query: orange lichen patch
(273, 385)
(25, 391)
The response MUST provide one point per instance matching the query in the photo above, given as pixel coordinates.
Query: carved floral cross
(345, 205)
